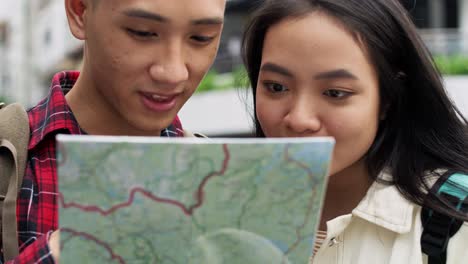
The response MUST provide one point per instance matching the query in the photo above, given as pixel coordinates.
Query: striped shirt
(319, 239)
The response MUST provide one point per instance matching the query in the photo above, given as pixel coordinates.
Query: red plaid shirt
(37, 209)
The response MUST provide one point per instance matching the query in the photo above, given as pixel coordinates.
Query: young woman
(356, 70)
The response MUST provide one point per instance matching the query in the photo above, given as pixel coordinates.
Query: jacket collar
(385, 206)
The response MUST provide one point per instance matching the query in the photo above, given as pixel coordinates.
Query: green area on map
(176, 203)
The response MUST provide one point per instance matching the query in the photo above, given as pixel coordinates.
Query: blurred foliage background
(452, 65)
(215, 81)
(3, 99)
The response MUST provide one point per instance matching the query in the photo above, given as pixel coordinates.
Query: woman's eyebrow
(274, 68)
(335, 74)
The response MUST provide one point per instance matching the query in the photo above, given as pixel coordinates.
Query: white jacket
(383, 228)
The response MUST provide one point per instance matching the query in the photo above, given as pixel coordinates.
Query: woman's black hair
(423, 133)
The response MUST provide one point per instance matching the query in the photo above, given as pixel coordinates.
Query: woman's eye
(141, 34)
(202, 39)
(337, 94)
(275, 87)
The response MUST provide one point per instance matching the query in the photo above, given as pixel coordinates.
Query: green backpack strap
(14, 139)
(438, 227)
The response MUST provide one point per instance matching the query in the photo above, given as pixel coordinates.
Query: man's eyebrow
(140, 13)
(208, 21)
(335, 74)
(274, 68)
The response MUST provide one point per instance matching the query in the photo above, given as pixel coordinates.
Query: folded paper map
(210, 201)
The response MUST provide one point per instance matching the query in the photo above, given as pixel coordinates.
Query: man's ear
(76, 11)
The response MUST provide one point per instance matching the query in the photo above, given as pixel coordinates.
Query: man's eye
(275, 87)
(141, 34)
(202, 39)
(337, 94)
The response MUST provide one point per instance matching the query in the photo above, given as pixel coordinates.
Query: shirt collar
(385, 206)
(174, 129)
(53, 115)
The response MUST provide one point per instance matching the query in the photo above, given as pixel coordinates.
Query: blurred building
(16, 75)
(55, 48)
(443, 24)
(34, 43)
(229, 50)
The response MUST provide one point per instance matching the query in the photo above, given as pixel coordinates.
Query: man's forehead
(194, 5)
(168, 11)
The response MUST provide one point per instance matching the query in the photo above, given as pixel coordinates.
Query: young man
(142, 60)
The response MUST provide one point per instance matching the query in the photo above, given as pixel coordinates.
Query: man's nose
(171, 68)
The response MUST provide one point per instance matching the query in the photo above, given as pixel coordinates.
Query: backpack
(14, 139)
(438, 227)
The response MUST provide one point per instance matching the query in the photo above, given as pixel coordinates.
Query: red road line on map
(200, 191)
(200, 195)
(95, 240)
(298, 163)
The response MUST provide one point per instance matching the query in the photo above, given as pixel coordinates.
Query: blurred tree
(3, 99)
(452, 65)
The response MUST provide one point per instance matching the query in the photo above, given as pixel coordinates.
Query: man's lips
(160, 97)
(159, 102)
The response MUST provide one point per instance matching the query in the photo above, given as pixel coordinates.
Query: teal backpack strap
(438, 227)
